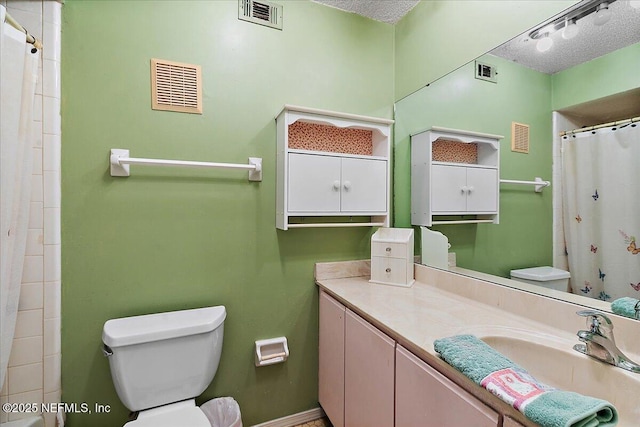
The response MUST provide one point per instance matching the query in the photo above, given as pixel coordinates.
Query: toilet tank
(548, 277)
(162, 358)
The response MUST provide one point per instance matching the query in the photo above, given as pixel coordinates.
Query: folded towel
(564, 408)
(629, 307)
(513, 384)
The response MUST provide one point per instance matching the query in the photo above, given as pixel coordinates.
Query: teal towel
(540, 403)
(626, 307)
(471, 356)
(564, 408)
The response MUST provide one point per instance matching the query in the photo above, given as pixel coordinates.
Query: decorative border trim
(295, 419)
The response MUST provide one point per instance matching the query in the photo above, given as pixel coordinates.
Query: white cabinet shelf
(331, 165)
(454, 172)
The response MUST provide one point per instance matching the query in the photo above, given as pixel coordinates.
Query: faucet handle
(597, 322)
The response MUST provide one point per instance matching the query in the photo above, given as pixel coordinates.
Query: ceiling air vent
(519, 137)
(261, 12)
(486, 72)
(176, 87)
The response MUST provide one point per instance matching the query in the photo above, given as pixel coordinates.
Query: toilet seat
(179, 414)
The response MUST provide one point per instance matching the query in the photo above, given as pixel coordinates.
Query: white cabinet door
(459, 189)
(331, 359)
(448, 188)
(426, 398)
(364, 183)
(314, 183)
(368, 375)
(482, 185)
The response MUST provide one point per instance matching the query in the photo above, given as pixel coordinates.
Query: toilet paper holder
(271, 351)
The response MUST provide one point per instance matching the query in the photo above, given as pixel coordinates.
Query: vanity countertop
(442, 304)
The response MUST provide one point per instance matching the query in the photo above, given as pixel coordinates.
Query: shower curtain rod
(604, 125)
(30, 39)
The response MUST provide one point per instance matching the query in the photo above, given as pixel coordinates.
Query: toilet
(547, 277)
(161, 362)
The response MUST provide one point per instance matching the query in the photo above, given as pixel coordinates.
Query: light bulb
(603, 14)
(544, 44)
(570, 30)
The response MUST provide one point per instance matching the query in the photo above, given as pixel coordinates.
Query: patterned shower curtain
(19, 73)
(601, 185)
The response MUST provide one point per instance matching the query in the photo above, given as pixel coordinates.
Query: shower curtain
(18, 76)
(602, 211)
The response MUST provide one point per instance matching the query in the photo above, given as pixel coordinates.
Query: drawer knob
(388, 249)
(388, 270)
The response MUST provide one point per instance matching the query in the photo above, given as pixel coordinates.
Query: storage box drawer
(393, 250)
(389, 270)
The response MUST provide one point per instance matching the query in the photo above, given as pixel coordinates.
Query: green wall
(166, 239)
(439, 36)
(460, 101)
(610, 74)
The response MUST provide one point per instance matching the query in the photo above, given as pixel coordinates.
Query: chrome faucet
(599, 342)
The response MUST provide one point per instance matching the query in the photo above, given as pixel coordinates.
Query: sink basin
(553, 361)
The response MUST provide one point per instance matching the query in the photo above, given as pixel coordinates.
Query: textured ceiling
(592, 41)
(390, 11)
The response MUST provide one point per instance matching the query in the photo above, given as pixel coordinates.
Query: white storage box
(548, 277)
(392, 256)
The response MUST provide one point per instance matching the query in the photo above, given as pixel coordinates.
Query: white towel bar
(120, 161)
(538, 182)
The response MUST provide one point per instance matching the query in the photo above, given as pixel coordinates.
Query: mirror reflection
(575, 71)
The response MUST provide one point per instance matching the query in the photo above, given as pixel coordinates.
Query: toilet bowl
(161, 362)
(547, 277)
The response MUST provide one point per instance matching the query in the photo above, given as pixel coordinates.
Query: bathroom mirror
(527, 91)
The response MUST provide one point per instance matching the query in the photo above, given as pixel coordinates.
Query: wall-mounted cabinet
(454, 172)
(333, 165)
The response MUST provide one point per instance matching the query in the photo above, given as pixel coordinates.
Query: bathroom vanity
(377, 365)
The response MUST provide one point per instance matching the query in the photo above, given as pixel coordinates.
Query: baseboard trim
(295, 419)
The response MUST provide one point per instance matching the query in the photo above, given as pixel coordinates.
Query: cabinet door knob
(388, 249)
(463, 189)
(470, 189)
(388, 270)
(347, 185)
(336, 185)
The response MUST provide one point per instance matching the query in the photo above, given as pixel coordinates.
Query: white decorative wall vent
(261, 12)
(176, 86)
(486, 72)
(519, 137)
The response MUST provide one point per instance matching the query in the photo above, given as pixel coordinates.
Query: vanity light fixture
(570, 29)
(603, 14)
(545, 43)
(568, 22)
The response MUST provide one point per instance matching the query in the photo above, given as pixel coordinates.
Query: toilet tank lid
(161, 326)
(541, 274)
